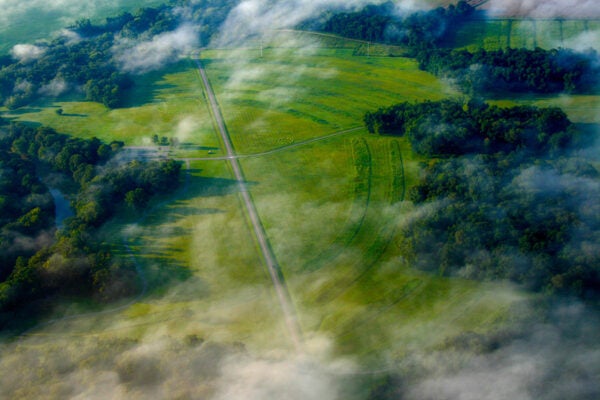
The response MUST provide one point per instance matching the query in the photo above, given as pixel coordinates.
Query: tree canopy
(36, 260)
(501, 197)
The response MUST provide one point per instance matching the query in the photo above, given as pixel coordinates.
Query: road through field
(272, 266)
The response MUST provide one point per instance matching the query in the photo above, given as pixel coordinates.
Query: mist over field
(549, 352)
(545, 8)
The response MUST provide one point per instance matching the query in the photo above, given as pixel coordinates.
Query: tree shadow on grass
(148, 86)
(74, 115)
(158, 265)
(199, 186)
(24, 110)
(194, 147)
(182, 211)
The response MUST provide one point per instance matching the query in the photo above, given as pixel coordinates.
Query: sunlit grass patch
(494, 34)
(166, 103)
(579, 108)
(291, 95)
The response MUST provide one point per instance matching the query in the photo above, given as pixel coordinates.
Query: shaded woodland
(39, 262)
(501, 197)
(489, 73)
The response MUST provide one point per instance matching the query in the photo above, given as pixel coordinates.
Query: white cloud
(255, 17)
(27, 52)
(69, 36)
(545, 8)
(187, 127)
(583, 41)
(141, 57)
(54, 88)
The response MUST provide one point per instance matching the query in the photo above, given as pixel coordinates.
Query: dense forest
(84, 58)
(516, 70)
(501, 197)
(37, 260)
(382, 23)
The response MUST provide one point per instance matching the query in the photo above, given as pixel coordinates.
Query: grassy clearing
(331, 209)
(332, 214)
(224, 294)
(167, 103)
(582, 109)
(529, 33)
(291, 95)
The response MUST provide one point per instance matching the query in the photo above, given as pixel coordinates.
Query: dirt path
(269, 152)
(259, 231)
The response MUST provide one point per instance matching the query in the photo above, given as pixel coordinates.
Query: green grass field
(528, 33)
(332, 209)
(164, 103)
(296, 94)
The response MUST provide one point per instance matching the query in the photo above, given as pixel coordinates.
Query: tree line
(485, 72)
(429, 34)
(37, 262)
(502, 198)
(382, 23)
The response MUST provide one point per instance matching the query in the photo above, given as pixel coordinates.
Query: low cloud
(582, 42)
(27, 52)
(545, 8)
(140, 57)
(256, 17)
(293, 378)
(186, 128)
(69, 36)
(54, 88)
(552, 360)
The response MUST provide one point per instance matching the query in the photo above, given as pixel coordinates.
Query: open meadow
(333, 209)
(494, 34)
(330, 196)
(164, 103)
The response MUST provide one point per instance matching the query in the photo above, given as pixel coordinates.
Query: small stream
(61, 206)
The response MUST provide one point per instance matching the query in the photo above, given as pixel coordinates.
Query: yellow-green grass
(581, 109)
(332, 210)
(205, 276)
(169, 102)
(496, 34)
(292, 95)
(334, 222)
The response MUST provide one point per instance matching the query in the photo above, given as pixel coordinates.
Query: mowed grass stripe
(493, 34)
(303, 96)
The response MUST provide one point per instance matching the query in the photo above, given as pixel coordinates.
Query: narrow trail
(268, 152)
(273, 268)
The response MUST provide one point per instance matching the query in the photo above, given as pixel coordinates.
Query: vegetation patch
(38, 261)
(496, 210)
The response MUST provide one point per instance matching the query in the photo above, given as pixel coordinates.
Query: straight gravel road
(259, 231)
